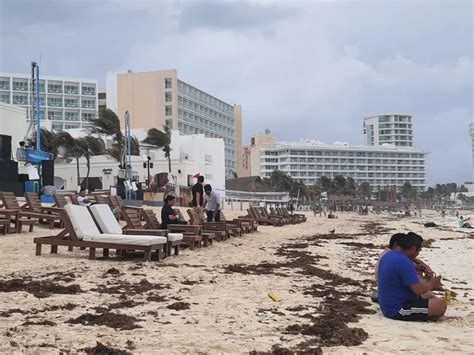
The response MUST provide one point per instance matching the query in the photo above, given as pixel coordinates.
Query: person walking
(212, 204)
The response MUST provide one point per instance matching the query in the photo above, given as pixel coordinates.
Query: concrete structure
(308, 160)
(471, 133)
(159, 98)
(190, 154)
(66, 102)
(393, 128)
(13, 123)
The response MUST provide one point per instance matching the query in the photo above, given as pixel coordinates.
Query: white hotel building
(66, 103)
(308, 160)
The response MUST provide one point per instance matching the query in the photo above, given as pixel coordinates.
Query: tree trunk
(78, 174)
(169, 164)
(88, 163)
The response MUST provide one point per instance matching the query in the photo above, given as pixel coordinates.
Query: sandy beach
(215, 300)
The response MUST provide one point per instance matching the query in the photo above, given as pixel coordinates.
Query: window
(4, 84)
(71, 126)
(102, 95)
(55, 101)
(55, 88)
(57, 127)
(88, 116)
(5, 98)
(169, 123)
(88, 103)
(55, 115)
(72, 116)
(71, 89)
(71, 102)
(20, 85)
(168, 110)
(20, 100)
(88, 90)
(168, 83)
(168, 96)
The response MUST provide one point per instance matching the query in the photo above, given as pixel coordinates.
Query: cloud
(302, 69)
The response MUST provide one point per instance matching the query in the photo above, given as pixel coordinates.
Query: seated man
(400, 288)
(423, 270)
(464, 223)
(82, 200)
(168, 214)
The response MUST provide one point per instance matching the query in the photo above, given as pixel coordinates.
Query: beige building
(159, 98)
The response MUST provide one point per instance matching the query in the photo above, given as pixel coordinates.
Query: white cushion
(173, 237)
(105, 219)
(81, 220)
(143, 240)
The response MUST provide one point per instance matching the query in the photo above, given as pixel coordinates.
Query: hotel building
(308, 160)
(159, 98)
(64, 102)
(396, 129)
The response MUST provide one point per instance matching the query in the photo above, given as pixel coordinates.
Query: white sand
(224, 309)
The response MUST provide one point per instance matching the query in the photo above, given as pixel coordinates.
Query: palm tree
(325, 184)
(365, 190)
(108, 124)
(73, 148)
(90, 146)
(160, 139)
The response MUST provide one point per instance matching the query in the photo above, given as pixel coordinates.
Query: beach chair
(190, 236)
(264, 213)
(207, 236)
(51, 214)
(252, 222)
(134, 225)
(300, 216)
(245, 226)
(222, 230)
(5, 225)
(81, 231)
(292, 218)
(61, 200)
(15, 213)
(254, 213)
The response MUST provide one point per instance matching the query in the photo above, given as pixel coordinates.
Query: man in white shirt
(212, 204)
(82, 199)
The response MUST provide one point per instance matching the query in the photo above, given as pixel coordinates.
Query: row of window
(203, 97)
(205, 122)
(191, 129)
(390, 161)
(205, 111)
(52, 101)
(341, 167)
(55, 88)
(341, 154)
(394, 118)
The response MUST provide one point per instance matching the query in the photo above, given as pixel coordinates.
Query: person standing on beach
(198, 192)
(400, 288)
(212, 204)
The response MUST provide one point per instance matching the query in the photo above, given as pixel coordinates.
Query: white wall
(195, 147)
(111, 90)
(13, 123)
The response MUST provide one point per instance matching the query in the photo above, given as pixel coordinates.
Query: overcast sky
(304, 69)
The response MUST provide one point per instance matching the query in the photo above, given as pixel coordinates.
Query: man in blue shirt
(400, 288)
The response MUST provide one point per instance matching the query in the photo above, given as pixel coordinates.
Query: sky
(303, 69)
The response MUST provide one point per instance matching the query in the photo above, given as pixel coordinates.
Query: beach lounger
(254, 213)
(197, 218)
(14, 211)
(191, 238)
(33, 204)
(61, 200)
(134, 225)
(301, 217)
(264, 213)
(81, 231)
(292, 218)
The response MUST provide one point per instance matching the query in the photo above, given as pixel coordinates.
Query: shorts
(413, 311)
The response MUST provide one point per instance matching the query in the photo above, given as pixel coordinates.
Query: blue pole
(38, 133)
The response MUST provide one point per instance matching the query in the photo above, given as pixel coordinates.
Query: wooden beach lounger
(134, 226)
(192, 239)
(19, 216)
(254, 213)
(264, 213)
(81, 231)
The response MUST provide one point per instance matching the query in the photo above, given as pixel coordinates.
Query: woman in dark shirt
(168, 215)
